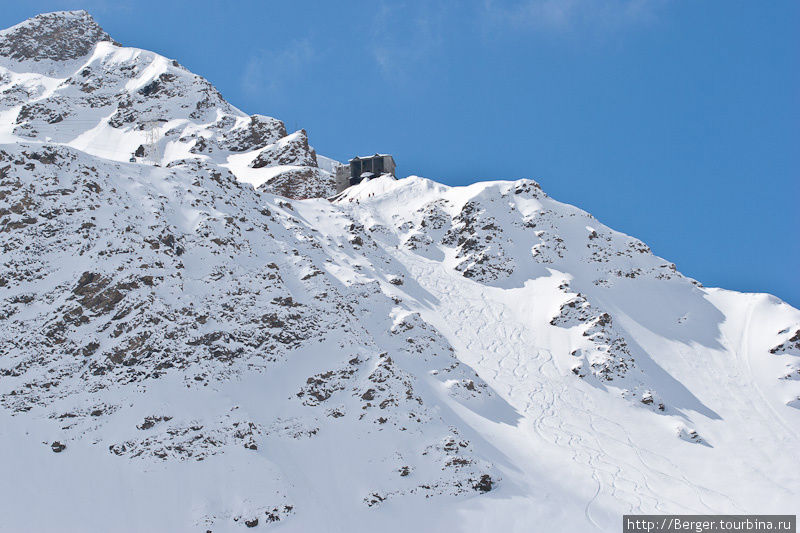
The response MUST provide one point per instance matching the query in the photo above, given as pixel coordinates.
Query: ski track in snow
(501, 362)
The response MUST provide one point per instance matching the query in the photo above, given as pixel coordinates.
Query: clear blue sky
(677, 122)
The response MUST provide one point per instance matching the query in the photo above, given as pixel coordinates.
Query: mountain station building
(364, 167)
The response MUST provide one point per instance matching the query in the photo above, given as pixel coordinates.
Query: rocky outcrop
(301, 183)
(291, 150)
(58, 36)
(257, 133)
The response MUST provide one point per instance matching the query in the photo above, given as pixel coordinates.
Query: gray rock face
(301, 183)
(260, 132)
(57, 36)
(293, 150)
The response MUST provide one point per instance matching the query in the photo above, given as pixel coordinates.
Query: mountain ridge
(119, 102)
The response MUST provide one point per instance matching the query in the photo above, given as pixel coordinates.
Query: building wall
(342, 177)
(356, 168)
(388, 166)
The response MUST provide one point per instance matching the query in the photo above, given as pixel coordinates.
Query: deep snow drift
(181, 349)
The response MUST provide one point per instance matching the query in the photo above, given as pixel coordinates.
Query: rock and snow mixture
(197, 335)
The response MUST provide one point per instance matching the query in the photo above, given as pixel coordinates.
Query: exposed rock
(301, 183)
(57, 36)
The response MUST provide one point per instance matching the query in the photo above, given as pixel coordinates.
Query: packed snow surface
(197, 333)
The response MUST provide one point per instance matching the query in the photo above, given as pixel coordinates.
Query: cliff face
(185, 345)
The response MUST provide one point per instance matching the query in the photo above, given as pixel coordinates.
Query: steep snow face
(63, 80)
(655, 392)
(181, 349)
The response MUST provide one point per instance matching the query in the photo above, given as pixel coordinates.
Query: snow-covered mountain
(64, 80)
(197, 339)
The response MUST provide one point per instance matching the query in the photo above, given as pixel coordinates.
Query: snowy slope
(181, 349)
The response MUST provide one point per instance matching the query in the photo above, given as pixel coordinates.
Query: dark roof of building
(371, 157)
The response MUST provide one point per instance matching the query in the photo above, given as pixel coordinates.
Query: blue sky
(677, 122)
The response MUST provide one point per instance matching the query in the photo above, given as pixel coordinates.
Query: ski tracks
(504, 352)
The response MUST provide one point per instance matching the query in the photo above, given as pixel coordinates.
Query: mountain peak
(56, 36)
